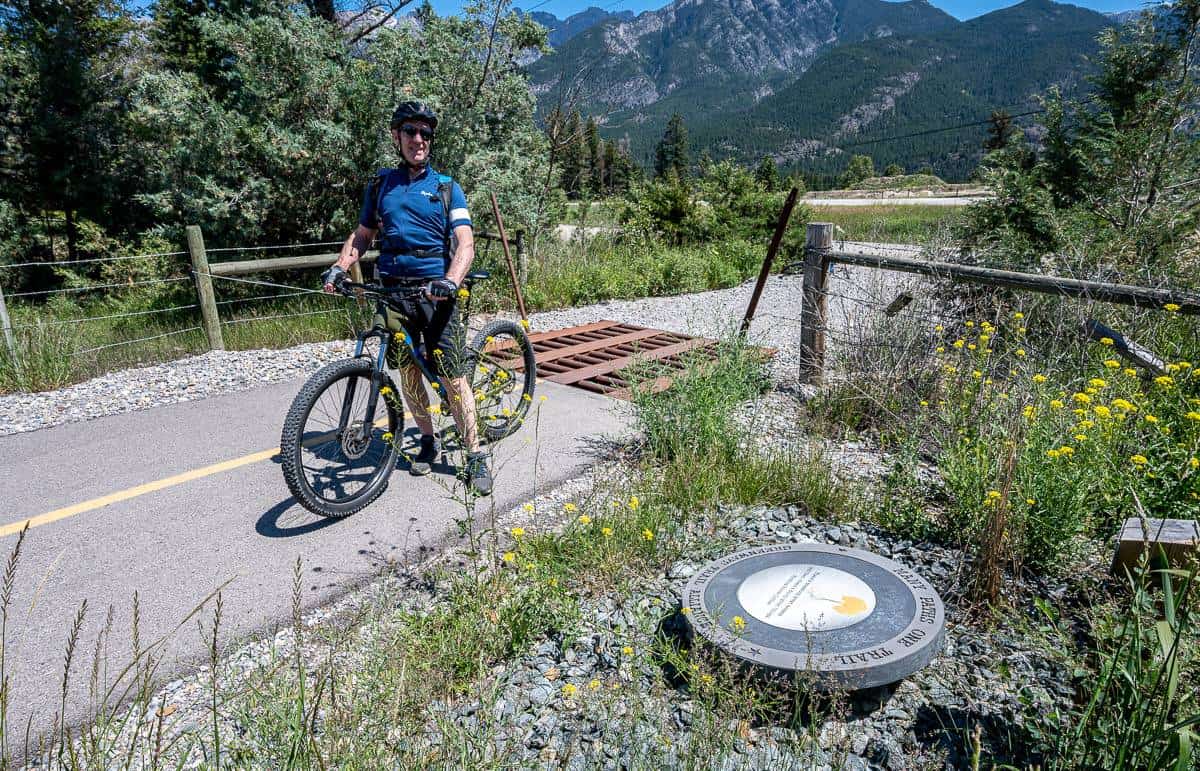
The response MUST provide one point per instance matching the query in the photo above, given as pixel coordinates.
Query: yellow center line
(143, 489)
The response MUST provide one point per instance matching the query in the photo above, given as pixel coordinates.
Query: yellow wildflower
(706, 678)
(1079, 411)
(634, 503)
(959, 343)
(570, 507)
(388, 436)
(1086, 424)
(584, 519)
(525, 323)
(1171, 307)
(1165, 381)
(1080, 437)
(941, 349)
(1029, 411)
(627, 650)
(517, 532)
(984, 338)
(976, 374)
(992, 496)
(971, 346)
(1052, 453)
(1097, 382)
(1124, 405)
(1018, 315)
(1039, 379)
(1082, 398)
(1102, 411)
(685, 610)
(463, 293)
(1194, 462)
(924, 403)
(386, 391)
(542, 398)
(1139, 460)
(528, 507)
(1021, 331)
(647, 534)
(1112, 363)
(1067, 450)
(435, 409)
(606, 532)
(1193, 415)
(1030, 502)
(1056, 404)
(1130, 371)
(568, 690)
(594, 685)
(738, 624)
(1020, 352)
(509, 556)
(1106, 341)
(970, 324)
(1151, 419)
(938, 328)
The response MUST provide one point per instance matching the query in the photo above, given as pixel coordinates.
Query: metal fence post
(8, 335)
(814, 303)
(204, 288)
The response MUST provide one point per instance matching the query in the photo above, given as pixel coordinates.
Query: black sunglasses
(412, 131)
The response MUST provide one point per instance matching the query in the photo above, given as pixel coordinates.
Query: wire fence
(88, 261)
(138, 340)
(93, 287)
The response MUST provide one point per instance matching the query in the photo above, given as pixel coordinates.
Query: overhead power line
(941, 130)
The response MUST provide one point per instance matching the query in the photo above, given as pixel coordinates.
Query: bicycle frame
(385, 336)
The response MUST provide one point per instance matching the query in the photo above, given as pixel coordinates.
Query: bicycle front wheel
(336, 457)
(503, 374)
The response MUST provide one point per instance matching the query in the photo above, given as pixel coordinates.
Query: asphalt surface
(175, 545)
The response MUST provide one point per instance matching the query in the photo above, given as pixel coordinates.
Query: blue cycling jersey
(412, 222)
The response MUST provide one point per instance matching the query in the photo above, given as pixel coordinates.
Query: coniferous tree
(65, 125)
(574, 156)
(1000, 130)
(595, 156)
(767, 174)
(861, 167)
(893, 170)
(671, 155)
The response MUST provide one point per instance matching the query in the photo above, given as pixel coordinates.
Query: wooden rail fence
(203, 270)
(819, 255)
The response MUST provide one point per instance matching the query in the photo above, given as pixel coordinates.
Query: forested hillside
(857, 94)
(800, 80)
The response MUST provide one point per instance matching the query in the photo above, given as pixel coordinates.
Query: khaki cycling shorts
(438, 326)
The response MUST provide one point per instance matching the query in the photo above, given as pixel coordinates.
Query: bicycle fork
(377, 380)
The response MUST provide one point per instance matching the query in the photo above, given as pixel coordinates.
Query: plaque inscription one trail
(851, 618)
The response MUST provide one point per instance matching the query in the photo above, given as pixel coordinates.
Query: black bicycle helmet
(409, 110)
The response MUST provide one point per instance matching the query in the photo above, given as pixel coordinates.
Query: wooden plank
(600, 368)
(1176, 540)
(1122, 294)
(1126, 348)
(243, 267)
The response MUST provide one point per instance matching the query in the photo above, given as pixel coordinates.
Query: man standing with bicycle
(418, 215)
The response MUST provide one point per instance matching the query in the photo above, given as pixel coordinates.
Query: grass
(899, 224)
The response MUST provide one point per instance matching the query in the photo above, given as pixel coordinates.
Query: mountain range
(811, 82)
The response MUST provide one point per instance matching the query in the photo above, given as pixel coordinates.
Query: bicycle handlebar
(380, 292)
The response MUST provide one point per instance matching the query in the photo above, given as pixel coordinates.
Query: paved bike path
(175, 544)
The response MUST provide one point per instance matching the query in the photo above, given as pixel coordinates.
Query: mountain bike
(341, 441)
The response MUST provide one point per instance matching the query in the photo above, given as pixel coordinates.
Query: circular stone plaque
(851, 618)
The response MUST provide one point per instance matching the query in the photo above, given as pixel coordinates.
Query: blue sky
(962, 9)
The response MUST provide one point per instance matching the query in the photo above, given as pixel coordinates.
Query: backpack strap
(445, 190)
(375, 193)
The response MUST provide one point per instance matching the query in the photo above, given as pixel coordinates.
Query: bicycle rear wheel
(503, 373)
(335, 459)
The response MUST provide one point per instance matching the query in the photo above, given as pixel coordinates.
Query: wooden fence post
(512, 271)
(8, 335)
(814, 303)
(522, 259)
(765, 272)
(204, 288)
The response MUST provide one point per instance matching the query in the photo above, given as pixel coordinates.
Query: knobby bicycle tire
(291, 449)
(498, 425)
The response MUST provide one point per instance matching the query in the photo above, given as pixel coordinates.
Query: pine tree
(574, 156)
(893, 170)
(67, 122)
(861, 167)
(767, 174)
(1000, 130)
(595, 158)
(671, 155)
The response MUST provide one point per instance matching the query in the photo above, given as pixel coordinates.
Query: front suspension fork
(377, 381)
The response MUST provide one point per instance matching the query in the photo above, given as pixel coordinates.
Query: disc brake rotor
(355, 440)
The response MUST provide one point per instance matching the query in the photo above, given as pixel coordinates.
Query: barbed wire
(101, 318)
(282, 316)
(262, 297)
(268, 248)
(137, 340)
(100, 286)
(297, 289)
(90, 260)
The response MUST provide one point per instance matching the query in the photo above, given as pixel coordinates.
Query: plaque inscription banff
(851, 618)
